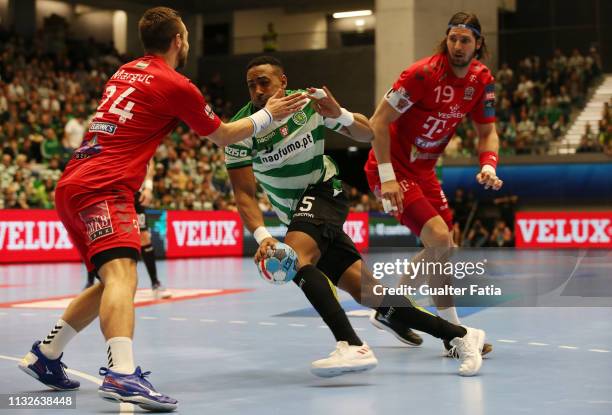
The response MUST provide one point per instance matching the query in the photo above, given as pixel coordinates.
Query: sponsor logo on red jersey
(469, 93)
(97, 220)
(208, 110)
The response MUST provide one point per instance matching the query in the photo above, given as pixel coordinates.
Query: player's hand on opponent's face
(392, 197)
(265, 249)
(281, 106)
(488, 178)
(324, 102)
(146, 197)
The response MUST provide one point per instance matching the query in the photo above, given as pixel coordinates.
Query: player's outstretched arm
(278, 107)
(354, 125)
(392, 195)
(488, 150)
(245, 194)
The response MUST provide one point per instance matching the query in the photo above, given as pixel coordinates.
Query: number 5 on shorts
(306, 203)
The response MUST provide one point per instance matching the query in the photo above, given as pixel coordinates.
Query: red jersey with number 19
(142, 102)
(433, 101)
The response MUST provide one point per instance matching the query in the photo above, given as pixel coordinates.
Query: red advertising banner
(357, 226)
(203, 233)
(34, 236)
(563, 229)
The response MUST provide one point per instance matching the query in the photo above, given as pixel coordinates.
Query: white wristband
(260, 234)
(346, 117)
(261, 120)
(386, 173)
(148, 184)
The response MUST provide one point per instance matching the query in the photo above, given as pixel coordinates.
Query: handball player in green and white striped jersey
(287, 160)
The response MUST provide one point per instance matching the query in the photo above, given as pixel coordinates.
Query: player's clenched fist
(488, 178)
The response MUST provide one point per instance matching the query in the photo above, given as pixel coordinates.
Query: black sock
(316, 288)
(405, 313)
(91, 276)
(148, 256)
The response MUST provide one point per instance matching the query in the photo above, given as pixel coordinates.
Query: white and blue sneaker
(134, 388)
(47, 371)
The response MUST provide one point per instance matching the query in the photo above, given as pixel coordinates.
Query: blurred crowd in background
(50, 87)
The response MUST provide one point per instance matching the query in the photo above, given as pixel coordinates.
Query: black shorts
(320, 214)
(140, 213)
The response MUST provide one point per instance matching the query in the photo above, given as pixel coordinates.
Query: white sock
(55, 342)
(120, 355)
(450, 315)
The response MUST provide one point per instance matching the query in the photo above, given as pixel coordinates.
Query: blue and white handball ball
(281, 266)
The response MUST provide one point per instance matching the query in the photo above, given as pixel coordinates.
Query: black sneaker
(451, 352)
(401, 332)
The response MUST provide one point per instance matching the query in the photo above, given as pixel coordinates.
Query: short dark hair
(470, 20)
(157, 27)
(265, 60)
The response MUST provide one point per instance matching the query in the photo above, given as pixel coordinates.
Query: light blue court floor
(236, 345)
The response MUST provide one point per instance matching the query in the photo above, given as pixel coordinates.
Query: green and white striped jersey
(286, 157)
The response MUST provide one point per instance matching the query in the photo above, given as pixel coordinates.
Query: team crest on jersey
(209, 112)
(141, 64)
(469, 93)
(299, 117)
(284, 131)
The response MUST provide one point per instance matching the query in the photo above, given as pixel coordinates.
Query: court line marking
(266, 323)
(125, 408)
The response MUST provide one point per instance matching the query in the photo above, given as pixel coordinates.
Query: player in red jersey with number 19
(142, 102)
(414, 123)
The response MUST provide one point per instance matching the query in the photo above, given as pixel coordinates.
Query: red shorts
(99, 221)
(423, 199)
